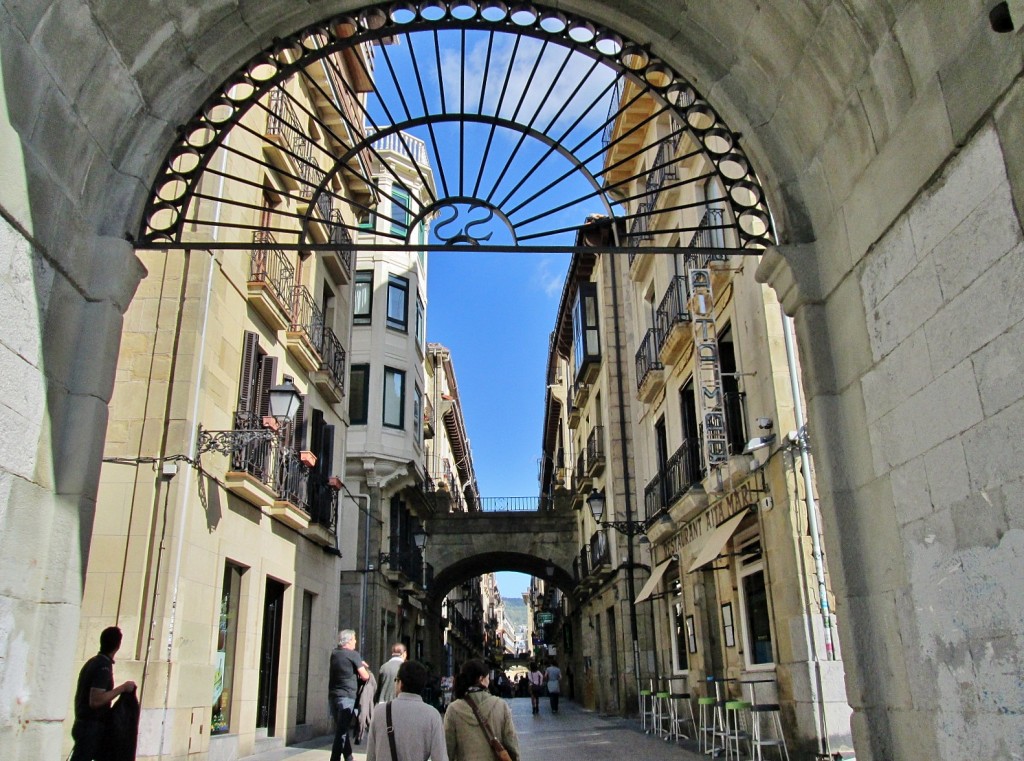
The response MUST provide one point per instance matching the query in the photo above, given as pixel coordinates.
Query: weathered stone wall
(852, 112)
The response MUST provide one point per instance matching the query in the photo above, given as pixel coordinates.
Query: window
(359, 394)
(584, 326)
(394, 398)
(227, 640)
(757, 626)
(304, 636)
(677, 610)
(421, 324)
(398, 299)
(400, 211)
(362, 297)
(417, 414)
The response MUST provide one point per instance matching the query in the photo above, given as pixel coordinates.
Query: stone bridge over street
(465, 545)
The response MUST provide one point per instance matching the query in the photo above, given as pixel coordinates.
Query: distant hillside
(515, 609)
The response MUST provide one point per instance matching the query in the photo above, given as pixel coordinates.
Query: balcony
(329, 378)
(322, 505)
(600, 552)
(650, 373)
(581, 565)
(574, 416)
(580, 394)
(595, 451)
(672, 318)
(735, 408)
(681, 472)
(710, 233)
(251, 469)
(305, 334)
(271, 281)
(338, 262)
(582, 479)
(287, 148)
(404, 566)
(290, 483)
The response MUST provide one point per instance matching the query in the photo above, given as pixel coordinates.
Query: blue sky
(495, 312)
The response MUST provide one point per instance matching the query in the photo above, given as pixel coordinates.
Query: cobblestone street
(572, 735)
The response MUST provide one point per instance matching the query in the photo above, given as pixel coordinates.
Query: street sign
(545, 618)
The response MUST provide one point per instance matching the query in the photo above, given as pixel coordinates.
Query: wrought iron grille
(672, 310)
(647, 356)
(269, 264)
(524, 112)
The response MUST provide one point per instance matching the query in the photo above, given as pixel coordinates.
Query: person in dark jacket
(347, 670)
(93, 695)
(122, 730)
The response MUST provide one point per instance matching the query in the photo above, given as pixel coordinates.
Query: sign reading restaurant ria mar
(707, 371)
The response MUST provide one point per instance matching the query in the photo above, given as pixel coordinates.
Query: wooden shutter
(268, 371)
(326, 456)
(316, 433)
(250, 360)
(298, 432)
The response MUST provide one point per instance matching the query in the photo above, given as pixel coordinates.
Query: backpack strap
(391, 734)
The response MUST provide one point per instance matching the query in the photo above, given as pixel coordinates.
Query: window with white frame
(755, 612)
(677, 613)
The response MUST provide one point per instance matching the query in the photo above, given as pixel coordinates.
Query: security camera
(792, 436)
(765, 423)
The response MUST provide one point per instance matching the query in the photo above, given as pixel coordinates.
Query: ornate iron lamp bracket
(230, 442)
(629, 528)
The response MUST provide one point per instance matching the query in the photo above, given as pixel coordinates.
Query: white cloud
(548, 277)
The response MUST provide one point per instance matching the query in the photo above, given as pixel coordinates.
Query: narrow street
(572, 735)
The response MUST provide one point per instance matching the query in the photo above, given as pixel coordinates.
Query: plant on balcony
(307, 458)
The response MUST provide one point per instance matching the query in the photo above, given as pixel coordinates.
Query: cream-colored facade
(216, 547)
(385, 577)
(693, 456)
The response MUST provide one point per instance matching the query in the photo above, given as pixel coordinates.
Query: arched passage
(858, 120)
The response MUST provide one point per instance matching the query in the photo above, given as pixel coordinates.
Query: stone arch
(857, 119)
(471, 567)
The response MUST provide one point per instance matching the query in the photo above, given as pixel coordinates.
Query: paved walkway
(571, 735)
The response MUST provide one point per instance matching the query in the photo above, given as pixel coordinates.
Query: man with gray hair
(389, 673)
(347, 669)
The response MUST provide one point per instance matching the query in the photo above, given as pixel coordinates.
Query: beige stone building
(384, 580)
(217, 546)
(723, 557)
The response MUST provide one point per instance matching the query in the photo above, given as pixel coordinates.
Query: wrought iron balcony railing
(269, 264)
(307, 318)
(322, 502)
(672, 310)
(710, 233)
(647, 357)
(332, 357)
(251, 448)
(682, 470)
(595, 447)
(340, 235)
(600, 552)
(290, 478)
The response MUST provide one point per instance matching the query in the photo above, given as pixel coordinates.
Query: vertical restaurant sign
(707, 370)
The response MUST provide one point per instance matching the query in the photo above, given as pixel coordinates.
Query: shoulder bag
(500, 754)
(391, 734)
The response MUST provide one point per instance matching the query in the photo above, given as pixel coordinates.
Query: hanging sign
(707, 370)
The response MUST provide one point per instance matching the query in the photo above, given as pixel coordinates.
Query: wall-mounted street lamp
(419, 538)
(596, 504)
(284, 404)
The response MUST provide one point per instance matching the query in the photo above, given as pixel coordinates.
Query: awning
(652, 583)
(713, 546)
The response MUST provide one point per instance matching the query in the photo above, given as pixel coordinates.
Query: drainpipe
(363, 596)
(813, 528)
(626, 480)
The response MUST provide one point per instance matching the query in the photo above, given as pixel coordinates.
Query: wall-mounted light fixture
(596, 503)
(758, 442)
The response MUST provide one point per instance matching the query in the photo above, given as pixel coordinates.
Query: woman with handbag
(477, 725)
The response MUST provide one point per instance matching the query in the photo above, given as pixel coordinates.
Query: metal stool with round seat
(680, 713)
(736, 713)
(647, 707)
(757, 738)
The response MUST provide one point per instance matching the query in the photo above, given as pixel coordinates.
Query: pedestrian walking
(93, 695)
(536, 677)
(406, 728)
(389, 673)
(347, 670)
(476, 720)
(553, 675)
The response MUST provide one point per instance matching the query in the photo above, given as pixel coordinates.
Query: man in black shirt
(347, 669)
(93, 696)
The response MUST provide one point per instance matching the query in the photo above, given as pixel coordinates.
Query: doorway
(270, 657)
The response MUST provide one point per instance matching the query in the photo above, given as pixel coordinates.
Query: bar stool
(735, 727)
(679, 707)
(758, 740)
(647, 707)
(662, 716)
(706, 731)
